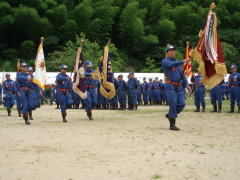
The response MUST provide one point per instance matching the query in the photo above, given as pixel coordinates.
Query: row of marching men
(26, 94)
(131, 92)
(232, 88)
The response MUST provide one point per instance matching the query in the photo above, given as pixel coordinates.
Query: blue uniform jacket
(173, 72)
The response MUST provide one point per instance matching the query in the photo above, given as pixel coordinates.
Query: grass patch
(156, 176)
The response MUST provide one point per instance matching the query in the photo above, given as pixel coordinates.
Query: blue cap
(234, 66)
(120, 75)
(64, 66)
(8, 74)
(30, 68)
(131, 73)
(88, 63)
(24, 64)
(169, 47)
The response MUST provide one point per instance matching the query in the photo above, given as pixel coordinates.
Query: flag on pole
(188, 69)
(40, 75)
(79, 78)
(105, 75)
(208, 52)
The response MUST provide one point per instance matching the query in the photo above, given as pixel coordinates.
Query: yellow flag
(40, 75)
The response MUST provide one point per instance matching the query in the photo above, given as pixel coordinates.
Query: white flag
(40, 75)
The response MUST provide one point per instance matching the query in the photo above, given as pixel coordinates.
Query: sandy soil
(120, 146)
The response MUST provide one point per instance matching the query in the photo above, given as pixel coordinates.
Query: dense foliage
(139, 29)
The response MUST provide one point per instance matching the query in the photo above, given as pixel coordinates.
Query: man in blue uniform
(132, 85)
(33, 90)
(199, 92)
(139, 93)
(145, 91)
(150, 92)
(91, 88)
(9, 93)
(18, 99)
(52, 94)
(234, 83)
(176, 82)
(63, 82)
(122, 89)
(162, 92)
(114, 100)
(156, 90)
(216, 96)
(23, 81)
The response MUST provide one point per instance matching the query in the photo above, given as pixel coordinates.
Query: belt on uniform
(9, 91)
(32, 90)
(90, 86)
(176, 84)
(24, 88)
(62, 90)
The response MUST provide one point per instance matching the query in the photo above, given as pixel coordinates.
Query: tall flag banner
(40, 75)
(105, 75)
(79, 78)
(188, 68)
(208, 52)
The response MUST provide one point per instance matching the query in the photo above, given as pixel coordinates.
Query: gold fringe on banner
(107, 89)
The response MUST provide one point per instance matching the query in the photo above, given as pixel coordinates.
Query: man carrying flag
(176, 83)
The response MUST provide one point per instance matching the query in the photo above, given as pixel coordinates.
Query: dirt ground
(120, 145)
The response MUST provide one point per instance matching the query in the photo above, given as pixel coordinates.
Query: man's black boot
(25, 117)
(197, 109)
(9, 111)
(64, 114)
(214, 108)
(173, 124)
(136, 107)
(219, 108)
(231, 110)
(30, 115)
(89, 114)
(203, 109)
(19, 113)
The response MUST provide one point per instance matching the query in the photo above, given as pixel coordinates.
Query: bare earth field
(120, 145)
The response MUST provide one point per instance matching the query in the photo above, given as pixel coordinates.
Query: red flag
(208, 52)
(188, 68)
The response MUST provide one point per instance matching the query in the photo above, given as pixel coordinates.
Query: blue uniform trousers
(62, 99)
(216, 95)
(132, 97)
(176, 100)
(157, 95)
(91, 99)
(145, 96)
(9, 100)
(33, 100)
(199, 97)
(235, 95)
(24, 100)
(122, 98)
(19, 103)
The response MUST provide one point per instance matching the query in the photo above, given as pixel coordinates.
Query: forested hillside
(139, 30)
